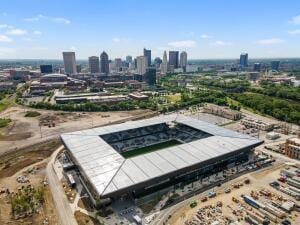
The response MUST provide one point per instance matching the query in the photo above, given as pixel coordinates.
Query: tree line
(281, 109)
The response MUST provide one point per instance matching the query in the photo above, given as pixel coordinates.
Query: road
(63, 208)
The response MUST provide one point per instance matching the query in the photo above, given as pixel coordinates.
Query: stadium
(138, 158)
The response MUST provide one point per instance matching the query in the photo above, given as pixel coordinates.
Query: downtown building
(94, 64)
(244, 60)
(69, 62)
(46, 69)
(141, 65)
(147, 54)
(275, 65)
(164, 64)
(183, 61)
(104, 63)
(150, 76)
(173, 59)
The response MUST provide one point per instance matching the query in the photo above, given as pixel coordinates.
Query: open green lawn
(174, 98)
(152, 148)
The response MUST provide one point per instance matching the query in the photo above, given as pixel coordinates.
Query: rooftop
(108, 171)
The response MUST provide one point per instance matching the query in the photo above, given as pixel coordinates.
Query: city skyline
(206, 29)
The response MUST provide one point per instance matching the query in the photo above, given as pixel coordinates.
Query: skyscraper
(118, 64)
(141, 64)
(69, 62)
(183, 60)
(150, 76)
(275, 65)
(244, 59)
(104, 63)
(257, 67)
(147, 54)
(157, 62)
(94, 64)
(173, 58)
(78, 68)
(46, 68)
(164, 64)
(129, 59)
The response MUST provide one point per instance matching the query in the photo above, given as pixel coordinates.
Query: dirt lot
(83, 219)
(30, 163)
(14, 161)
(258, 181)
(85, 203)
(24, 131)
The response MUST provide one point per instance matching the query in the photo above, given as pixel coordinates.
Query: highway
(63, 208)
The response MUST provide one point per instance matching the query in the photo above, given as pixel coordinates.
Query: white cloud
(205, 36)
(37, 18)
(6, 26)
(4, 38)
(29, 39)
(116, 39)
(183, 44)
(72, 48)
(294, 31)
(40, 17)
(270, 41)
(37, 32)
(5, 51)
(190, 34)
(16, 32)
(295, 20)
(221, 43)
(61, 20)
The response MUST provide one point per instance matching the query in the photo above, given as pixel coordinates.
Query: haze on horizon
(208, 29)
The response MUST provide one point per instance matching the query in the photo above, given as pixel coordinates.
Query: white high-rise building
(141, 64)
(94, 64)
(183, 60)
(69, 62)
(164, 64)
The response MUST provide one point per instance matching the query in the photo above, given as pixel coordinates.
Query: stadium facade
(201, 149)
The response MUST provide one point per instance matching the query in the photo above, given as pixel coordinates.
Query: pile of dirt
(83, 219)
(50, 120)
(15, 137)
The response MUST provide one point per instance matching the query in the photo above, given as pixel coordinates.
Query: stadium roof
(108, 171)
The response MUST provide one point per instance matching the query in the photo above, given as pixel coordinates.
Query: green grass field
(152, 148)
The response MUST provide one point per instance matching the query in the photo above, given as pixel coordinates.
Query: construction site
(250, 199)
(24, 130)
(25, 197)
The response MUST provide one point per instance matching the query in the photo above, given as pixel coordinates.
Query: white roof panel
(108, 171)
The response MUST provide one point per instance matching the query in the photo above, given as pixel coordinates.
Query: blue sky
(206, 29)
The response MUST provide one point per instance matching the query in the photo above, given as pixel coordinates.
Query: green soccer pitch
(151, 148)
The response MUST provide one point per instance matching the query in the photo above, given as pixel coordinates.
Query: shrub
(4, 122)
(32, 114)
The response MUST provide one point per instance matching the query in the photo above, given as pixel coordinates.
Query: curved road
(61, 202)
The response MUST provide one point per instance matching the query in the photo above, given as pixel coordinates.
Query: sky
(206, 29)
